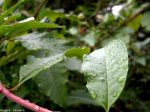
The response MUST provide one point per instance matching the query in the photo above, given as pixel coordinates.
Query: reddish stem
(21, 101)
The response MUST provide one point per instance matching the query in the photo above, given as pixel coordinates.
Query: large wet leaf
(37, 65)
(52, 83)
(106, 71)
(42, 41)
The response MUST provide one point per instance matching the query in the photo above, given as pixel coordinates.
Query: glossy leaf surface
(106, 72)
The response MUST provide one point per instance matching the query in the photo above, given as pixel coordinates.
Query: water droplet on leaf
(93, 94)
(125, 59)
(125, 66)
(115, 93)
(91, 74)
(121, 79)
(102, 79)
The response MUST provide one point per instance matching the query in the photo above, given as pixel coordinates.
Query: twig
(21, 101)
(39, 8)
(129, 19)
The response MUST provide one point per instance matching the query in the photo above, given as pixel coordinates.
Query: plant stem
(124, 23)
(39, 8)
(21, 101)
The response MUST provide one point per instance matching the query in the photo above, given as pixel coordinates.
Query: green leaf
(39, 41)
(80, 97)
(145, 20)
(52, 15)
(37, 65)
(10, 10)
(7, 30)
(90, 38)
(78, 52)
(135, 23)
(52, 83)
(106, 72)
(108, 18)
(73, 64)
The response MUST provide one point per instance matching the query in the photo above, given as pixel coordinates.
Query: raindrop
(93, 94)
(92, 74)
(125, 59)
(46, 61)
(115, 93)
(102, 79)
(121, 79)
(119, 62)
(112, 61)
(125, 66)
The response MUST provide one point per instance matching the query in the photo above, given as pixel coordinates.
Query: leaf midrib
(105, 49)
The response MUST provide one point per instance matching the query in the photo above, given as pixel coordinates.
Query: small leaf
(90, 38)
(78, 52)
(35, 66)
(106, 71)
(135, 23)
(10, 10)
(7, 30)
(145, 20)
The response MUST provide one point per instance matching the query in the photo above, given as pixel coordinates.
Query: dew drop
(93, 94)
(102, 79)
(115, 93)
(125, 66)
(121, 79)
(46, 61)
(125, 59)
(119, 62)
(92, 74)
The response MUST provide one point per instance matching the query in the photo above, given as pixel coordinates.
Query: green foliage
(36, 65)
(7, 30)
(43, 48)
(78, 52)
(106, 72)
(42, 41)
(52, 83)
(145, 21)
